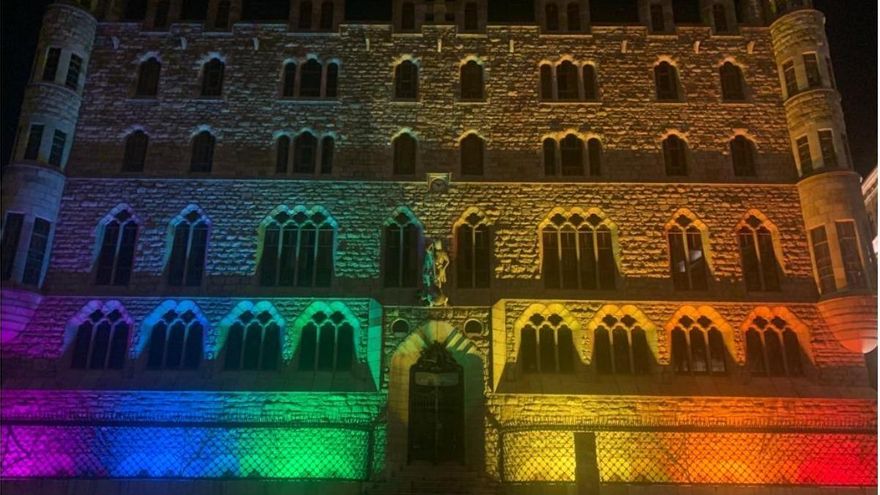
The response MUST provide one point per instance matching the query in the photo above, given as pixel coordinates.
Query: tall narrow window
(326, 23)
(826, 145)
(101, 341)
(36, 254)
(849, 251)
(34, 142)
(50, 67)
(327, 145)
(305, 153)
(528, 349)
(305, 15)
(572, 155)
(56, 152)
(567, 81)
(176, 341)
(551, 17)
(830, 69)
(116, 257)
(547, 345)
(804, 155)
(666, 82)
(212, 78)
(202, 152)
(546, 82)
(148, 78)
(698, 347)
(594, 152)
(221, 20)
(549, 153)
(742, 151)
(772, 348)
(331, 82)
(731, 83)
(621, 347)
(578, 253)
(675, 155)
(282, 154)
(253, 342)
(135, 152)
(719, 17)
(403, 240)
(327, 343)
(573, 14)
(791, 84)
(472, 151)
(289, 80)
(186, 262)
(686, 255)
(406, 80)
(310, 79)
(160, 20)
(591, 93)
(404, 147)
(194, 10)
(658, 21)
(759, 264)
(471, 17)
(408, 16)
(822, 255)
(471, 81)
(811, 67)
(73, 69)
(298, 250)
(473, 251)
(9, 246)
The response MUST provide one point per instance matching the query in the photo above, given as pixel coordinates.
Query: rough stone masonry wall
(512, 119)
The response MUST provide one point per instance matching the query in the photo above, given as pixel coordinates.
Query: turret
(831, 200)
(34, 180)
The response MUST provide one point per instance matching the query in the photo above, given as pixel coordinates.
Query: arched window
(549, 152)
(310, 79)
(772, 348)
(719, 17)
(408, 16)
(289, 80)
(404, 147)
(202, 152)
(101, 341)
(327, 343)
(578, 253)
(282, 154)
(471, 81)
(116, 257)
(546, 82)
(546, 345)
(160, 20)
(742, 151)
(221, 20)
(473, 253)
(732, 87)
(327, 145)
(686, 255)
(135, 152)
(305, 153)
(471, 17)
(759, 264)
(591, 92)
(212, 78)
(666, 82)
(853, 267)
(326, 23)
(403, 247)
(572, 155)
(176, 341)
(298, 250)
(551, 17)
(406, 80)
(573, 12)
(675, 155)
(253, 342)
(567, 81)
(621, 347)
(331, 81)
(698, 347)
(594, 153)
(148, 78)
(472, 151)
(305, 15)
(186, 262)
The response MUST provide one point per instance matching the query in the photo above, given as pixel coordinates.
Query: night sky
(851, 26)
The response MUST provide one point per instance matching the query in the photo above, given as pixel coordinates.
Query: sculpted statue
(434, 273)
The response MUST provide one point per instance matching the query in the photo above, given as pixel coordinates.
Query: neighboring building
(215, 235)
(869, 192)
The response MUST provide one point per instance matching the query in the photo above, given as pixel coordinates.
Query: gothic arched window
(573, 12)
(406, 80)
(686, 255)
(571, 155)
(282, 154)
(403, 241)
(546, 82)
(116, 257)
(101, 341)
(305, 15)
(331, 82)
(327, 343)
(551, 17)
(305, 153)
(594, 154)
(135, 151)
(404, 147)
(253, 342)
(176, 341)
(698, 347)
(310, 79)
(212, 78)
(148, 78)
(298, 250)
(675, 155)
(567, 81)
(666, 82)
(578, 253)
(591, 91)
(327, 145)
(288, 83)
(186, 262)
(772, 348)
(472, 154)
(202, 159)
(473, 253)
(546, 345)
(742, 152)
(549, 152)
(621, 347)
(758, 255)
(326, 23)
(471, 75)
(732, 83)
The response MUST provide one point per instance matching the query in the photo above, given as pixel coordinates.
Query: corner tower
(34, 180)
(831, 201)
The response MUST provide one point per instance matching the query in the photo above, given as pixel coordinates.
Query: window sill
(566, 34)
(571, 102)
(664, 35)
(472, 34)
(397, 101)
(143, 99)
(54, 84)
(670, 102)
(727, 35)
(471, 101)
(309, 100)
(407, 34)
(216, 99)
(809, 91)
(735, 102)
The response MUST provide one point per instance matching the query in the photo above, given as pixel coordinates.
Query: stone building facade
(259, 247)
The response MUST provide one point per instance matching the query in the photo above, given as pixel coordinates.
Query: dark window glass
(675, 156)
(344, 347)
(699, 351)
(565, 349)
(849, 251)
(289, 80)
(551, 17)
(641, 352)
(308, 345)
(792, 353)
(192, 354)
(775, 359)
(473, 256)
(471, 17)
(310, 79)
(791, 84)
(658, 21)
(176, 339)
(332, 83)
(135, 152)
(687, 258)
(742, 151)
(404, 155)
(221, 21)
(572, 154)
(822, 255)
(471, 81)
(194, 10)
(212, 78)
(528, 352)
(148, 78)
(472, 155)
(35, 139)
(408, 16)
(620, 343)
(731, 83)
(253, 341)
(400, 327)
(100, 346)
(11, 236)
(234, 346)
(186, 263)
(116, 256)
(56, 153)
(830, 69)
(282, 154)
(402, 254)
(160, 20)
(327, 145)
(666, 81)
(36, 255)
(305, 15)
(118, 346)
(602, 352)
(769, 266)
(326, 346)
(717, 352)
(73, 70)
(202, 152)
(406, 81)
(591, 92)
(804, 155)
(50, 68)
(811, 66)
(546, 82)
(297, 250)
(326, 23)
(549, 148)
(719, 16)
(594, 151)
(680, 353)
(567, 81)
(547, 350)
(271, 348)
(81, 346)
(573, 12)
(305, 153)
(156, 350)
(826, 144)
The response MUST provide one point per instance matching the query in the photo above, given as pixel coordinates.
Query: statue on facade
(434, 273)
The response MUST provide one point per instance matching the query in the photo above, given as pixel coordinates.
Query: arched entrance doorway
(436, 408)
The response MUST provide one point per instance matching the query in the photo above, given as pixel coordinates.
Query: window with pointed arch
(176, 341)
(212, 78)
(406, 81)
(546, 345)
(135, 151)
(253, 342)
(473, 253)
(186, 262)
(282, 154)
(404, 147)
(742, 153)
(116, 256)
(551, 17)
(567, 81)
(472, 154)
(202, 158)
(568, 156)
(772, 348)
(402, 245)
(148, 78)
(758, 255)
(101, 341)
(686, 255)
(326, 22)
(732, 82)
(305, 153)
(698, 347)
(288, 79)
(620, 347)
(471, 78)
(326, 343)
(666, 82)
(310, 79)
(578, 253)
(675, 155)
(298, 250)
